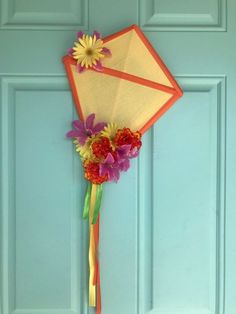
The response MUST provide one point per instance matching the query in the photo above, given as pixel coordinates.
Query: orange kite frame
(175, 90)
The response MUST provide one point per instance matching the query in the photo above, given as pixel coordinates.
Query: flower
(123, 151)
(88, 51)
(126, 151)
(123, 155)
(124, 164)
(126, 137)
(104, 149)
(110, 130)
(85, 150)
(84, 130)
(91, 172)
(134, 152)
(110, 168)
(101, 147)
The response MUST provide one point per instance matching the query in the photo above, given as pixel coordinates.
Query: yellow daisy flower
(85, 150)
(110, 130)
(88, 51)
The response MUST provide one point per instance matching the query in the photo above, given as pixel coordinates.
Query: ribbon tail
(92, 248)
(96, 279)
(97, 203)
(96, 238)
(87, 201)
(94, 222)
(99, 305)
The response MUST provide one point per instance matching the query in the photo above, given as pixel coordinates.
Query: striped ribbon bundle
(92, 206)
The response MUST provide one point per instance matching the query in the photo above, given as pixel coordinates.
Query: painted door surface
(168, 227)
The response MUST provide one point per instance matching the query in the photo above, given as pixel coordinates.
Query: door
(168, 227)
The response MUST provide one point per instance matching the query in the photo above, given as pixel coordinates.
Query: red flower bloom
(101, 147)
(126, 137)
(91, 172)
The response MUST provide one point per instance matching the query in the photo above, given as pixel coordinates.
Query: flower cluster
(88, 51)
(105, 149)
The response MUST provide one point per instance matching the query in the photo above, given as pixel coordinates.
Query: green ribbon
(97, 203)
(87, 201)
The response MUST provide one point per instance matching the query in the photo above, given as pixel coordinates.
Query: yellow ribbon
(92, 253)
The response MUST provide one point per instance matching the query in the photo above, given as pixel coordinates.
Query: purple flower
(134, 152)
(106, 52)
(80, 68)
(123, 152)
(98, 66)
(97, 35)
(83, 130)
(124, 164)
(70, 51)
(110, 167)
(80, 34)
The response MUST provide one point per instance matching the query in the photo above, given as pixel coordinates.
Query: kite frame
(175, 90)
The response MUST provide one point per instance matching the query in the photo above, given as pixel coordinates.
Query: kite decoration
(121, 87)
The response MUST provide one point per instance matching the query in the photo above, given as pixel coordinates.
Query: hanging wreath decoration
(121, 83)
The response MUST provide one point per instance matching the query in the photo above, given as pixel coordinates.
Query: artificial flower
(134, 152)
(126, 151)
(110, 130)
(124, 164)
(123, 155)
(88, 51)
(123, 151)
(84, 130)
(101, 147)
(126, 137)
(91, 172)
(104, 149)
(110, 168)
(85, 150)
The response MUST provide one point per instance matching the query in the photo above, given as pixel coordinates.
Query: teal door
(168, 227)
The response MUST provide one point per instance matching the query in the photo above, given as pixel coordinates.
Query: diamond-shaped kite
(135, 87)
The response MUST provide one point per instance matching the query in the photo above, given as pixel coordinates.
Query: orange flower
(91, 172)
(101, 147)
(126, 137)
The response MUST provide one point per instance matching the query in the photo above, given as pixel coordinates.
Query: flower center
(89, 52)
(89, 132)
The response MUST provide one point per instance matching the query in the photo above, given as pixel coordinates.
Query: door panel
(42, 247)
(183, 231)
(182, 15)
(168, 227)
